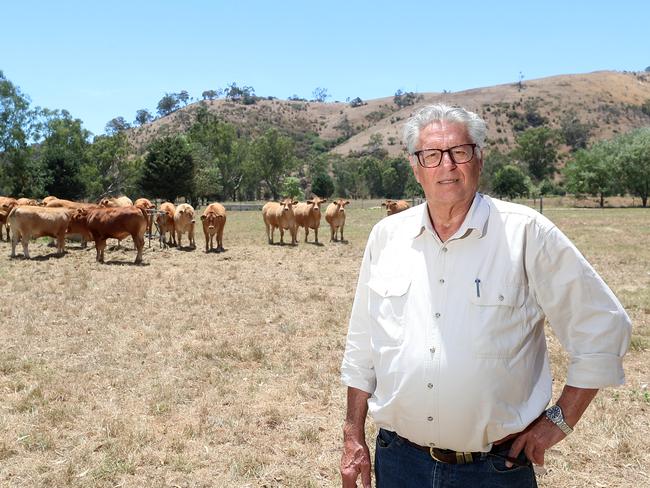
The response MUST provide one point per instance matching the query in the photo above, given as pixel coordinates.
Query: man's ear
(480, 161)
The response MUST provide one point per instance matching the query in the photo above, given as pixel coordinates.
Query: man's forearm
(355, 417)
(574, 401)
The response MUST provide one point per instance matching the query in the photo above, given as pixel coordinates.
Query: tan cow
(29, 222)
(184, 222)
(6, 204)
(213, 220)
(335, 216)
(149, 207)
(27, 202)
(122, 201)
(165, 223)
(48, 199)
(113, 222)
(308, 215)
(280, 215)
(395, 206)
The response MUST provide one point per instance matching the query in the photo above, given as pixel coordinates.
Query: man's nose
(446, 159)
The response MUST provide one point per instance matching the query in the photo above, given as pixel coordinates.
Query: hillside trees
(168, 169)
(243, 94)
(272, 155)
(633, 158)
(108, 168)
(320, 94)
(404, 99)
(219, 154)
(116, 125)
(143, 116)
(510, 181)
(63, 153)
(574, 132)
(167, 104)
(20, 174)
(594, 171)
(537, 148)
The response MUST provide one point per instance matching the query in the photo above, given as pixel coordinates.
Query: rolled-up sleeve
(584, 313)
(357, 369)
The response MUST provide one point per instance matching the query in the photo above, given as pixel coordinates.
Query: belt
(448, 456)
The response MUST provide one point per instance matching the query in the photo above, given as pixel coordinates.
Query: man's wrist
(555, 415)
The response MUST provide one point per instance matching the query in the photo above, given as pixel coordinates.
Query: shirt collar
(475, 220)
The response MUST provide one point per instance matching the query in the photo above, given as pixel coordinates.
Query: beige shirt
(449, 337)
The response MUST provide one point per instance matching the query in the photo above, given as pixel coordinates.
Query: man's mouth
(448, 181)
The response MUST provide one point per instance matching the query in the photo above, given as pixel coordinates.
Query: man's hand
(542, 434)
(535, 440)
(354, 462)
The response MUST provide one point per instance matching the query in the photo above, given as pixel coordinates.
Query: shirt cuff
(359, 383)
(595, 371)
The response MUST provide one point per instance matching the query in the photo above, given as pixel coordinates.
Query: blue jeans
(400, 465)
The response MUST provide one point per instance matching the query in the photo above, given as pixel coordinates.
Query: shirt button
(430, 385)
(500, 298)
(432, 350)
(444, 249)
(437, 315)
(442, 281)
(430, 419)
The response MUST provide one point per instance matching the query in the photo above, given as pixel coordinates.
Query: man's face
(449, 183)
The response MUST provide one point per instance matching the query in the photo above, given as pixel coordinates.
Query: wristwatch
(554, 414)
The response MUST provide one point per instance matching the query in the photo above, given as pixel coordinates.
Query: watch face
(554, 413)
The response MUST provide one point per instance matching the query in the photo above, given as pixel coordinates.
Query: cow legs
(60, 244)
(191, 237)
(138, 242)
(306, 233)
(269, 233)
(316, 235)
(179, 239)
(25, 242)
(14, 242)
(342, 225)
(100, 245)
(281, 235)
(220, 240)
(332, 233)
(294, 235)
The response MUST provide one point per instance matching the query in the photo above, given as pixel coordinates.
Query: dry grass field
(221, 370)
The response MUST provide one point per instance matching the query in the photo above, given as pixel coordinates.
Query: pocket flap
(395, 286)
(498, 294)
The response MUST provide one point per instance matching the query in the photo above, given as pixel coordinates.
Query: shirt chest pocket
(387, 300)
(497, 319)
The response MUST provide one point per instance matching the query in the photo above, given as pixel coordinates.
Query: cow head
(391, 206)
(340, 205)
(315, 203)
(107, 202)
(287, 204)
(209, 219)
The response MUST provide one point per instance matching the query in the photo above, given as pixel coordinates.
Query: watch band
(555, 415)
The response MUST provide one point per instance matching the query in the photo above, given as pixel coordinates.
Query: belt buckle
(432, 454)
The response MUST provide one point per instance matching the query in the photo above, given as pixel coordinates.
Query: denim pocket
(385, 438)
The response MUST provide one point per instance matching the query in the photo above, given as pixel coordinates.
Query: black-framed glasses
(430, 158)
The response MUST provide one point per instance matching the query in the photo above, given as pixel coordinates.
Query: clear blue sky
(100, 60)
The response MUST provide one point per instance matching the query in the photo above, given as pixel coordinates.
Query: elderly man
(446, 346)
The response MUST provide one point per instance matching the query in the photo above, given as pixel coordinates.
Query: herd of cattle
(118, 218)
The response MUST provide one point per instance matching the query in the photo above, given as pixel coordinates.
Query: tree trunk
(602, 200)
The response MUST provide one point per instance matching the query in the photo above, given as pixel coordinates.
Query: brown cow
(149, 207)
(280, 215)
(6, 204)
(308, 216)
(113, 222)
(29, 222)
(73, 228)
(165, 223)
(116, 202)
(335, 216)
(184, 222)
(214, 220)
(395, 206)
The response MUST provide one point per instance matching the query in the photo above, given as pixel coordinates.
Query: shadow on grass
(124, 263)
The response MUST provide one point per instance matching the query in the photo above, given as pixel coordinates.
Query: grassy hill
(610, 102)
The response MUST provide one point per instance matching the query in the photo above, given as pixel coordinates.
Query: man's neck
(447, 219)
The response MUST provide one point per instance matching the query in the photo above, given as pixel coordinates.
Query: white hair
(476, 126)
